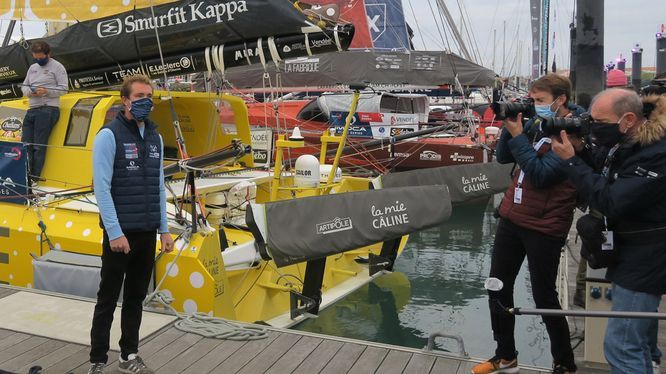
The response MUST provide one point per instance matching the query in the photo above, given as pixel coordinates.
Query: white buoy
(307, 171)
(296, 134)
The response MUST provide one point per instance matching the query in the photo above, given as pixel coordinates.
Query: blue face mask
(544, 111)
(141, 108)
(41, 61)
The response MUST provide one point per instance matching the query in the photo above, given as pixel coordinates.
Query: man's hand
(167, 242)
(577, 142)
(120, 245)
(563, 149)
(514, 125)
(40, 91)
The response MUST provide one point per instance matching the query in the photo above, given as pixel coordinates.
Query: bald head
(615, 105)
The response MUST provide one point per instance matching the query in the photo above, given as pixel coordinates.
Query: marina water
(438, 286)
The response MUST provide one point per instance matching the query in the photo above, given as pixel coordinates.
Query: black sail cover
(465, 182)
(315, 227)
(100, 52)
(381, 69)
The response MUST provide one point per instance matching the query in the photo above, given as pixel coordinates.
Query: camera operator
(536, 214)
(631, 194)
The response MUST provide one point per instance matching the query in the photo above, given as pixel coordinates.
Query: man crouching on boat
(536, 214)
(129, 188)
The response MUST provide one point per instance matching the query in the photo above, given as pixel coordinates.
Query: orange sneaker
(496, 365)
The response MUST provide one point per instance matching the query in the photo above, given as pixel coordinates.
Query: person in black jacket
(631, 194)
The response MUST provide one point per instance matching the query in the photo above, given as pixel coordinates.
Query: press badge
(608, 244)
(517, 195)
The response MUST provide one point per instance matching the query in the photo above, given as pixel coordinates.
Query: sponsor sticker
(131, 151)
(430, 156)
(389, 216)
(154, 151)
(335, 225)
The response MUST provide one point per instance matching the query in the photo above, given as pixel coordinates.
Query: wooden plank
(369, 361)
(160, 341)
(20, 348)
(12, 339)
(165, 355)
(295, 355)
(446, 365)
(71, 362)
(395, 362)
(213, 358)
(316, 361)
(419, 363)
(344, 359)
(65, 351)
(465, 367)
(5, 333)
(271, 354)
(251, 349)
(32, 356)
(190, 356)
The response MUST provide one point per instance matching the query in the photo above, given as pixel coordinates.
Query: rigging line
(174, 115)
(432, 11)
(516, 44)
(453, 67)
(470, 30)
(418, 27)
(99, 45)
(466, 26)
(446, 24)
(492, 26)
(252, 285)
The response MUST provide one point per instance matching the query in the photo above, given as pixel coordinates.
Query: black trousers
(135, 269)
(37, 126)
(512, 244)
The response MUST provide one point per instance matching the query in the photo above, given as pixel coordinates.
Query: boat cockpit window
(420, 106)
(395, 104)
(113, 112)
(312, 112)
(79, 122)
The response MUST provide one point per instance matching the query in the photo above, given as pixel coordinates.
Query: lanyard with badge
(518, 191)
(607, 245)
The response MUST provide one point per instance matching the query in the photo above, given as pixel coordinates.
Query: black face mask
(41, 61)
(605, 134)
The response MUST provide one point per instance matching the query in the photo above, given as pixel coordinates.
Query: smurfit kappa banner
(13, 173)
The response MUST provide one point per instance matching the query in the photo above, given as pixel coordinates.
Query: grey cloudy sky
(626, 23)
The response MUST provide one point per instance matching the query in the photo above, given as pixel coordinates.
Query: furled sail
(338, 223)
(464, 182)
(381, 69)
(194, 35)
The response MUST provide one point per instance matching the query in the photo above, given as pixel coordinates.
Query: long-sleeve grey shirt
(52, 77)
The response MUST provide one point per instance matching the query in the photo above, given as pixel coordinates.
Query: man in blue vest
(129, 188)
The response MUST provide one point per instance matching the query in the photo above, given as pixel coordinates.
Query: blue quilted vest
(135, 185)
